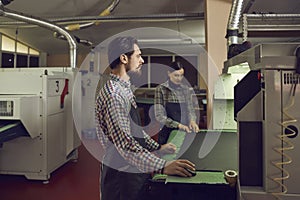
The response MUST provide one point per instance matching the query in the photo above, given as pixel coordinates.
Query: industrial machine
(223, 99)
(212, 159)
(37, 133)
(266, 109)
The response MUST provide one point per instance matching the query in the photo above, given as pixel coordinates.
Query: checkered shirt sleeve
(113, 127)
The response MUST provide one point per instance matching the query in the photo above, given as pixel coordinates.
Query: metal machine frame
(268, 122)
(41, 99)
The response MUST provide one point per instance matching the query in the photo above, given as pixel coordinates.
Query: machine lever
(64, 93)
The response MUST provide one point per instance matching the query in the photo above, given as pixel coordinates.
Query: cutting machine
(37, 133)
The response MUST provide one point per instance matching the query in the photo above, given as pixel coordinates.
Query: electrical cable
(286, 144)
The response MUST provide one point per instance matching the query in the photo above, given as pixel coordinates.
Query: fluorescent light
(166, 41)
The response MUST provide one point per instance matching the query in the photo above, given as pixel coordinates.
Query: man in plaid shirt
(129, 152)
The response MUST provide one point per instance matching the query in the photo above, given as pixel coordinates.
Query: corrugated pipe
(48, 25)
(233, 22)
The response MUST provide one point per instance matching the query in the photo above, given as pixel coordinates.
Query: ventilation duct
(233, 22)
(233, 30)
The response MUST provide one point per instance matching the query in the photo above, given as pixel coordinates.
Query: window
(33, 52)
(33, 61)
(155, 70)
(21, 48)
(7, 60)
(22, 60)
(11, 49)
(8, 44)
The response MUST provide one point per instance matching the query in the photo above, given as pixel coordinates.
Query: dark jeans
(119, 185)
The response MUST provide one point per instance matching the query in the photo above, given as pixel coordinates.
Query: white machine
(266, 108)
(223, 99)
(37, 133)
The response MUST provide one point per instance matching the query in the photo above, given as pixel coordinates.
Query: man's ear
(123, 58)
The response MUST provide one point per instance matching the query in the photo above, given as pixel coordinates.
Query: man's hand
(178, 167)
(168, 148)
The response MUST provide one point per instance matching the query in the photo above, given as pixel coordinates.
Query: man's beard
(134, 74)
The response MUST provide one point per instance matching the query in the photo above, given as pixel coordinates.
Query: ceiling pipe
(106, 12)
(78, 26)
(78, 40)
(42, 23)
(145, 18)
(142, 18)
(109, 9)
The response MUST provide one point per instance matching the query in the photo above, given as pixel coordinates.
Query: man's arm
(121, 137)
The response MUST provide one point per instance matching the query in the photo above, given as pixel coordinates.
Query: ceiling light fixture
(166, 41)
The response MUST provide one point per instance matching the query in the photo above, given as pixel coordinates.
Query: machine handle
(64, 93)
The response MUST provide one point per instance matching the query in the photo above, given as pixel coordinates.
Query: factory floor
(72, 181)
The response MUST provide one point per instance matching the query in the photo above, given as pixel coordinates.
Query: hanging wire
(177, 21)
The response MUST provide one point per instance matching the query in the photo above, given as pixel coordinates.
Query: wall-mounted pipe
(233, 22)
(45, 24)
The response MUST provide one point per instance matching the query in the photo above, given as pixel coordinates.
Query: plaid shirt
(166, 93)
(113, 106)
